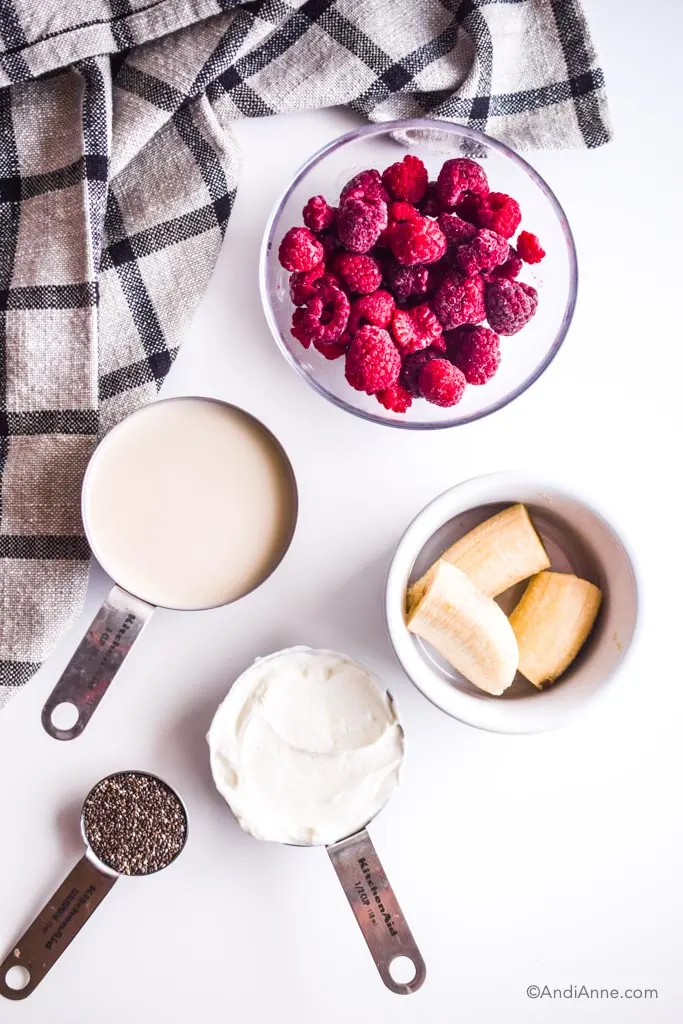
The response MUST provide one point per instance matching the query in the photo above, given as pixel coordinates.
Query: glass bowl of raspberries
(418, 274)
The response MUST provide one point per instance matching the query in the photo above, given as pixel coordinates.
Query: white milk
(189, 503)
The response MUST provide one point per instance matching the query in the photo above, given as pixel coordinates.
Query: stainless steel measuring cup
(367, 888)
(123, 615)
(86, 885)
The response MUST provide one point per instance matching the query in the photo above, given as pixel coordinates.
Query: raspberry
(412, 367)
(417, 241)
(456, 230)
(475, 351)
(459, 176)
(365, 185)
(459, 300)
(510, 268)
(529, 247)
(372, 362)
(487, 249)
(395, 398)
(441, 383)
(509, 305)
(318, 215)
(414, 329)
(360, 223)
(302, 284)
(496, 211)
(406, 179)
(333, 351)
(375, 309)
(401, 211)
(300, 250)
(323, 318)
(408, 282)
(358, 273)
(429, 205)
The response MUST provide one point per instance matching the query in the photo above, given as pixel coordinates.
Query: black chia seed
(134, 823)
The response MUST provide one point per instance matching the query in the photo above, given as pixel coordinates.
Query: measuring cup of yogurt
(189, 503)
(307, 749)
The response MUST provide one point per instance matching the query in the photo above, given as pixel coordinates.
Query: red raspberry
(459, 176)
(406, 179)
(323, 319)
(429, 205)
(417, 241)
(456, 230)
(302, 284)
(365, 185)
(395, 398)
(495, 211)
(360, 223)
(475, 351)
(487, 249)
(334, 351)
(441, 383)
(300, 250)
(412, 367)
(509, 269)
(408, 282)
(318, 215)
(414, 329)
(358, 273)
(372, 362)
(375, 309)
(459, 300)
(401, 211)
(529, 247)
(509, 305)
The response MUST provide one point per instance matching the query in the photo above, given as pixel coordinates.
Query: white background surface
(551, 859)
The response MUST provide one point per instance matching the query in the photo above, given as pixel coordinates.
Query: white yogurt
(306, 748)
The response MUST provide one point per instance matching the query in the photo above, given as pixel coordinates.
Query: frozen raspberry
(529, 247)
(365, 185)
(318, 215)
(414, 329)
(510, 268)
(395, 398)
(441, 383)
(376, 309)
(406, 179)
(456, 230)
(487, 249)
(459, 300)
(372, 362)
(429, 205)
(323, 319)
(400, 211)
(417, 241)
(408, 282)
(412, 367)
(475, 351)
(358, 273)
(360, 223)
(509, 305)
(459, 176)
(496, 211)
(300, 250)
(302, 284)
(334, 351)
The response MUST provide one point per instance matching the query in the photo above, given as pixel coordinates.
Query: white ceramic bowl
(580, 539)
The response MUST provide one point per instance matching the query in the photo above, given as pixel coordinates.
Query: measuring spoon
(92, 878)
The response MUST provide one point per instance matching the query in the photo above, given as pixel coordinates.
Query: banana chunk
(552, 622)
(498, 553)
(467, 628)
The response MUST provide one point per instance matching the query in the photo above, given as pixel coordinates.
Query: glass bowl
(524, 356)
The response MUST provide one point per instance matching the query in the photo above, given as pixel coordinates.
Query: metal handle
(58, 923)
(376, 909)
(96, 660)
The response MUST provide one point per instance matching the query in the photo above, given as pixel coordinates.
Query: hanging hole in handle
(402, 970)
(17, 978)
(65, 715)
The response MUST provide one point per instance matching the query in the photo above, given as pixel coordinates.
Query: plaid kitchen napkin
(118, 171)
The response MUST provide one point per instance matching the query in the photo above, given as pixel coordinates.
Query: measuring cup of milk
(307, 749)
(189, 503)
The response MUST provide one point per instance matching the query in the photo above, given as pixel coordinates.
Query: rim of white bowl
(490, 715)
(387, 128)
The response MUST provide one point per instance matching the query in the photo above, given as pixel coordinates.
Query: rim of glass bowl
(386, 128)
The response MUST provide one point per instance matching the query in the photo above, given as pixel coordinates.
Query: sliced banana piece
(552, 622)
(495, 555)
(467, 628)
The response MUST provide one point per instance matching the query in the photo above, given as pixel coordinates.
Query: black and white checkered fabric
(118, 172)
